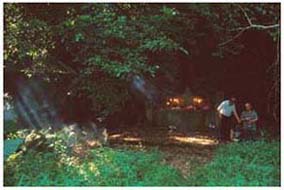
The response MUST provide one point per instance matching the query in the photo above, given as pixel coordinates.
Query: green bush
(103, 167)
(10, 126)
(241, 164)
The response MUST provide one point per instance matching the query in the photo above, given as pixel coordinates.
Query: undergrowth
(236, 164)
(103, 167)
(241, 164)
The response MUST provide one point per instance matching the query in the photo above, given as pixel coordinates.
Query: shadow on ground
(182, 151)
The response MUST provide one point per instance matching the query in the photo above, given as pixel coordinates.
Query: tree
(90, 49)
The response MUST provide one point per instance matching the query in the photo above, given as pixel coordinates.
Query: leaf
(79, 37)
(85, 18)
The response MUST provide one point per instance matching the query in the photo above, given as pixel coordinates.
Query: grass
(103, 167)
(241, 164)
(236, 164)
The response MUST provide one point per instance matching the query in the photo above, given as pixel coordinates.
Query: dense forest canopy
(89, 52)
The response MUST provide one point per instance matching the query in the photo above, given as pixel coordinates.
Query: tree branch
(246, 15)
(250, 26)
(232, 39)
(257, 26)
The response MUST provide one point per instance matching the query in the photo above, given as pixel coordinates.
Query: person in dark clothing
(226, 110)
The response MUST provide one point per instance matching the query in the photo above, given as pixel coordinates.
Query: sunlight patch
(194, 140)
(132, 139)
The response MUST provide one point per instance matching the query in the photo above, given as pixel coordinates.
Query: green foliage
(105, 45)
(160, 43)
(126, 40)
(104, 167)
(107, 94)
(241, 164)
(88, 44)
(130, 168)
(17, 133)
(236, 164)
(101, 167)
(10, 117)
(10, 126)
(25, 41)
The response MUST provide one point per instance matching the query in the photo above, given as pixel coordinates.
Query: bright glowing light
(197, 100)
(177, 101)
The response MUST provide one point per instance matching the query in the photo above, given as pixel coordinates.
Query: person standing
(226, 110)
(249, 118)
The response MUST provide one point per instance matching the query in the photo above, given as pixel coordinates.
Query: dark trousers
(248, 134)
(225, 128)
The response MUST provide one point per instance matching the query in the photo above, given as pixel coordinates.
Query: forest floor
(142, 156)
(182, 151)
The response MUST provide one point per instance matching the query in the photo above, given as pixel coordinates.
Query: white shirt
(226, 109)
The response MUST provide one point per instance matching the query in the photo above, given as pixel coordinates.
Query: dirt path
(182, 151)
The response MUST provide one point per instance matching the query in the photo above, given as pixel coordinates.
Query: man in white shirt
(226, 110)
